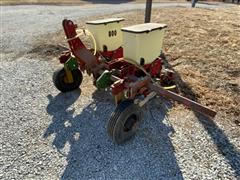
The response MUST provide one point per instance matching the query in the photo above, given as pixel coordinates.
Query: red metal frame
(127, 78)
(111, 55)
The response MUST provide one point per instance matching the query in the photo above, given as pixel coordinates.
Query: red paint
(111, 55)
(154, 68)
(64, 57)
(117, 87)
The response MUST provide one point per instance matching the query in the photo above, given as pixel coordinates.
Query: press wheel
(124, 121)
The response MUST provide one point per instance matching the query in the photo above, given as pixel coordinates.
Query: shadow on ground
(219, 138)
(92, 154)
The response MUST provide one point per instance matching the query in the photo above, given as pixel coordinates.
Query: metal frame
(127, 81)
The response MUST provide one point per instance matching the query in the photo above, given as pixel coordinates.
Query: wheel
(60, 82)
(124, 122)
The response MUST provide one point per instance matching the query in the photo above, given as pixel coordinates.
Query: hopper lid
(142, 28)
(105, 21)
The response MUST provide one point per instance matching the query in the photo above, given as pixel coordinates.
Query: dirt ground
(202, 47)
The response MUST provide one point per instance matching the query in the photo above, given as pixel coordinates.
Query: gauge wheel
(124, 121)
(59, 80)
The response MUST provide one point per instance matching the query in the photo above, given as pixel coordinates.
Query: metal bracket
(141, 103)
(71, 63)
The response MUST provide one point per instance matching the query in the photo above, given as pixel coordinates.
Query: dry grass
(202, 46)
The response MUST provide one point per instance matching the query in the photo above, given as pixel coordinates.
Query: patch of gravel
(47, 135)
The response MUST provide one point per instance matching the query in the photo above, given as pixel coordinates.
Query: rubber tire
(115, 126)
(59, 83)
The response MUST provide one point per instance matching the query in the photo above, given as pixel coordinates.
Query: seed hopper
(127, 61)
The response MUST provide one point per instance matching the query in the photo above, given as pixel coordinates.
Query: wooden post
(148, 11)
(194, 3)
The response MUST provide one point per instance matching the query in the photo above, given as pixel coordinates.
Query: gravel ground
(49, 135)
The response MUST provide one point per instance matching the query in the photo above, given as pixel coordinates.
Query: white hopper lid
(142, 28)
(105, 21)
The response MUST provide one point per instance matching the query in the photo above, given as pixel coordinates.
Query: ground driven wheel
(61, 83)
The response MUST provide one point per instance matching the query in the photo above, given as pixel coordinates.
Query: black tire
(58, 80)
(124, 122)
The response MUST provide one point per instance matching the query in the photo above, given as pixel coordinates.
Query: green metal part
(104, 80)
(71, 64)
